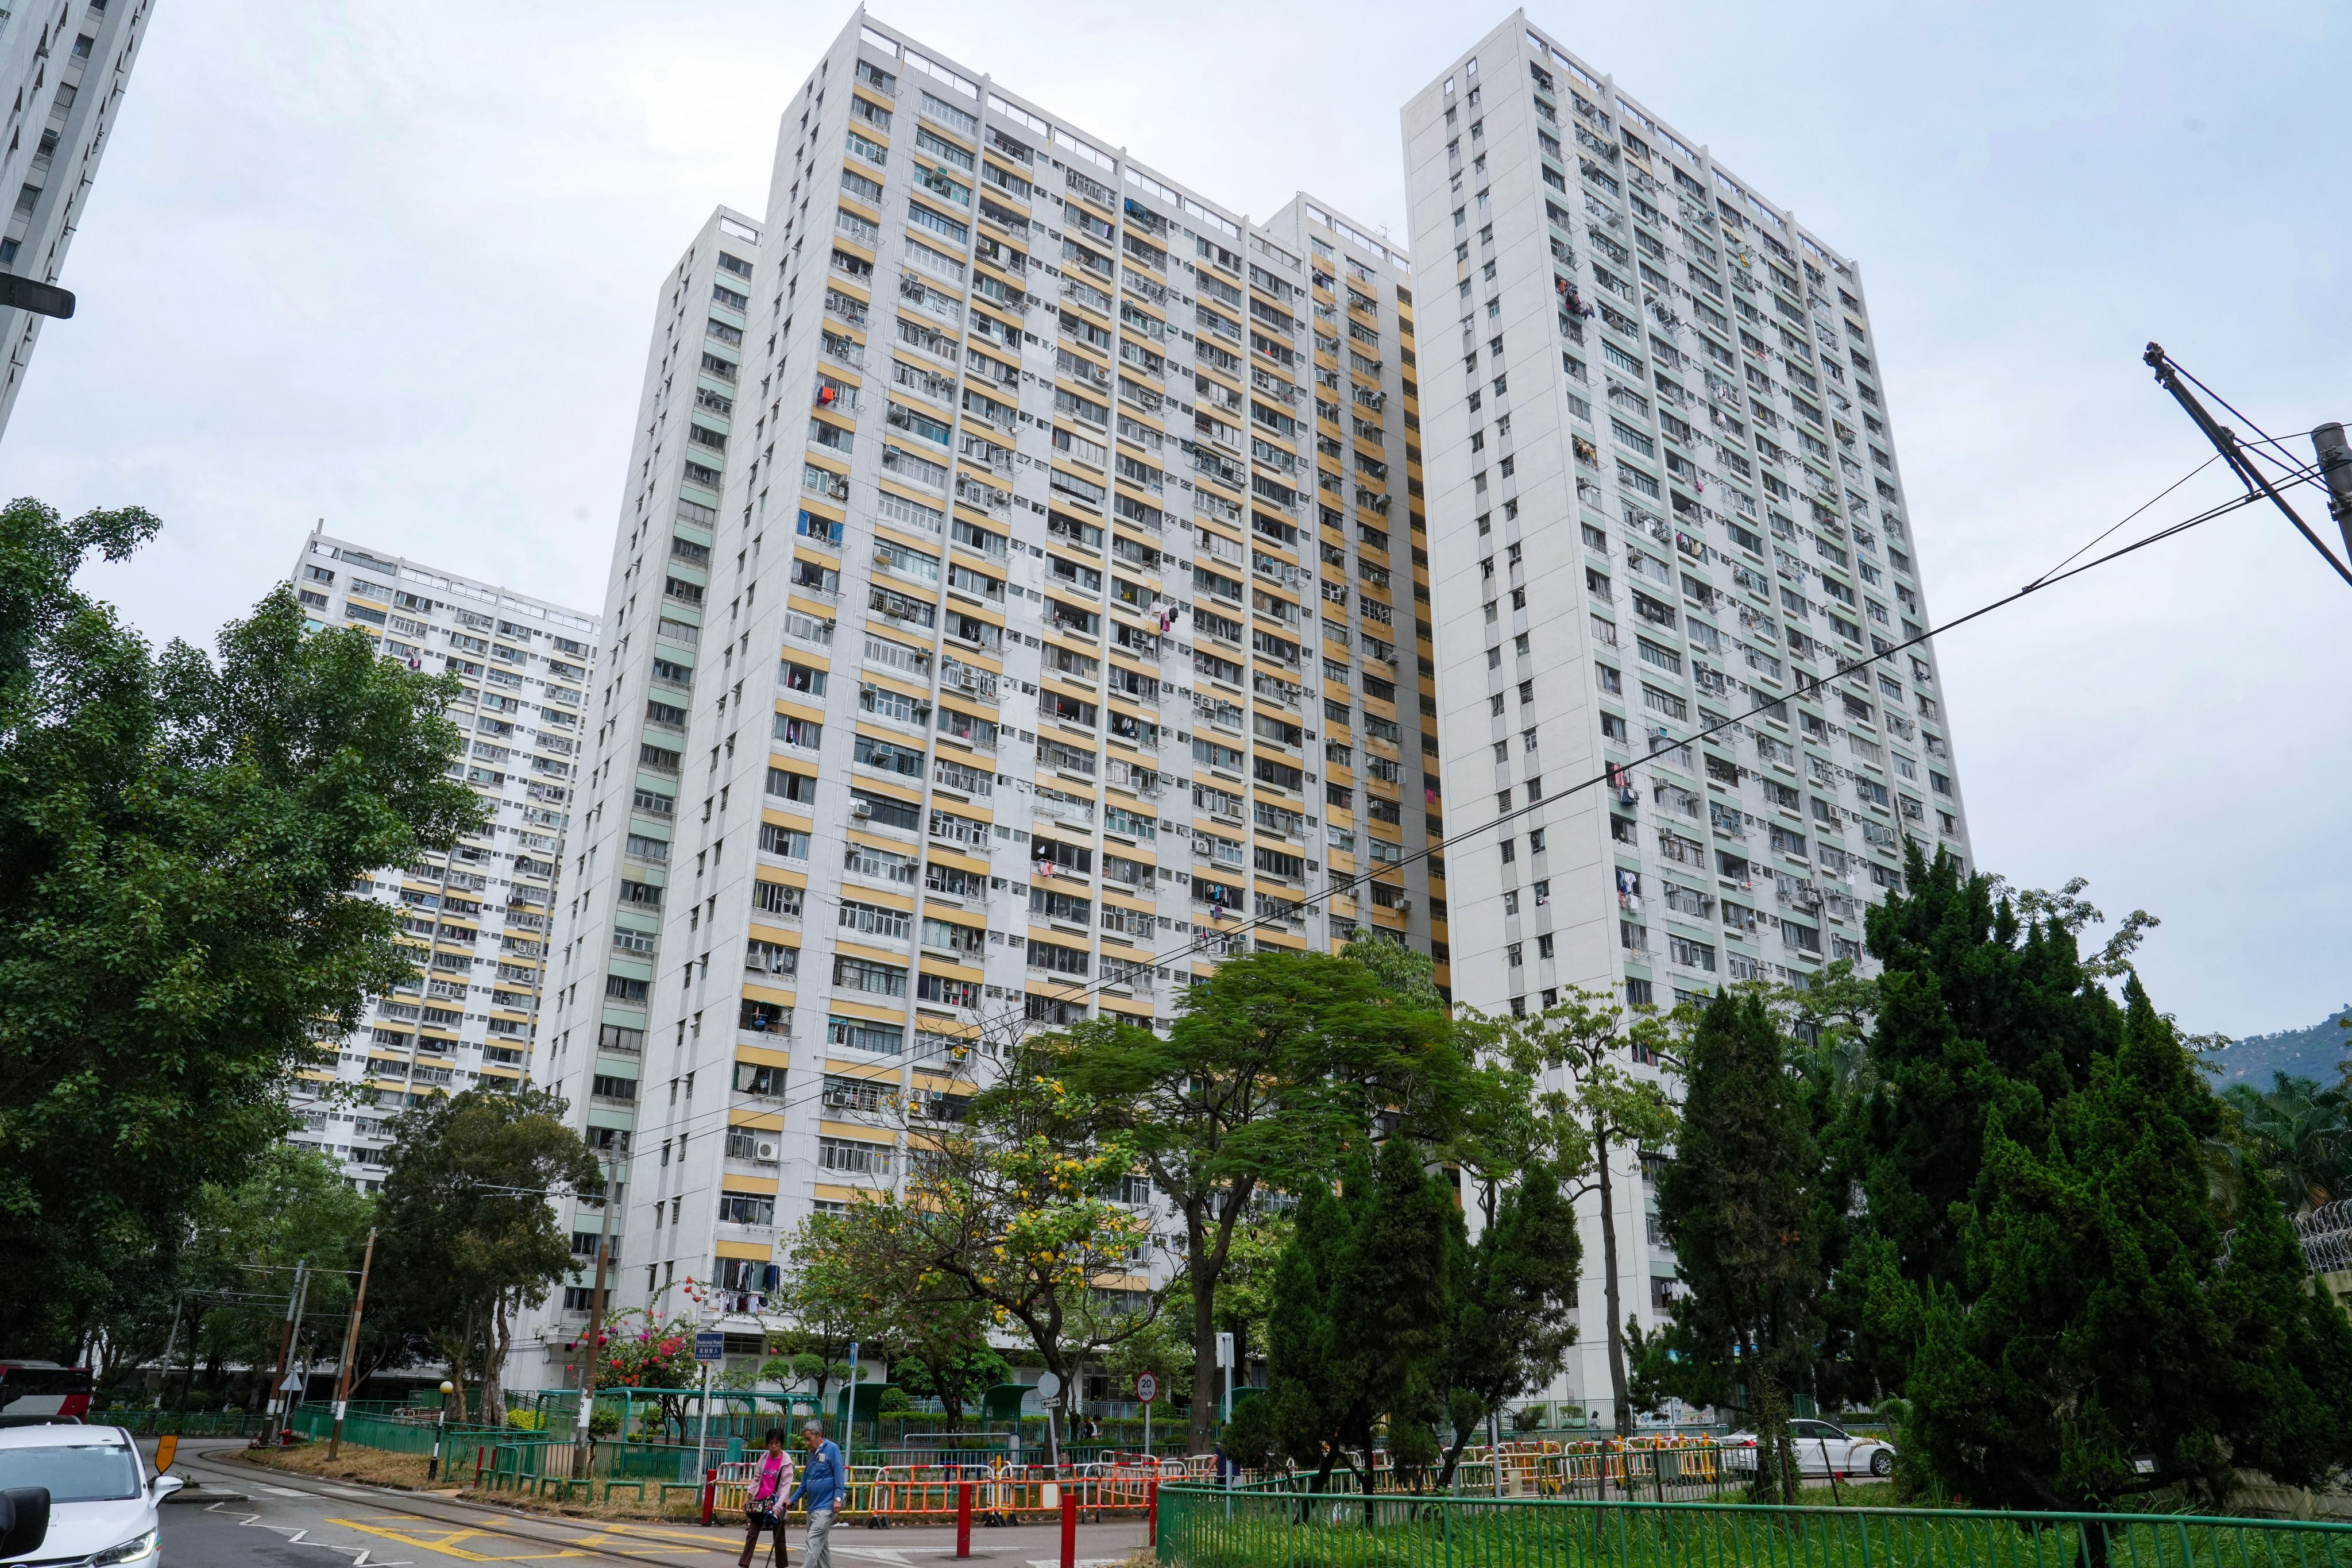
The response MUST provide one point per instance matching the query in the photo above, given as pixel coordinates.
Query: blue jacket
(820, 1481)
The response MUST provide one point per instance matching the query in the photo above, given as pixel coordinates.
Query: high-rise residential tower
(1664, 493)
(63, 70)
(478, 917)
(1058, 610)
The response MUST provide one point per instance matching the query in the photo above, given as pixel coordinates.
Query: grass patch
(372, 1466)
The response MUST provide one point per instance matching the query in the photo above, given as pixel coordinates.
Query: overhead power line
(1073, 991)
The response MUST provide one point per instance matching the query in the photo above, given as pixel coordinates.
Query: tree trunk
(494, 1364)
(1206, 1390)
(1774, 1461)
(1453, 1458)
(1617, 1390)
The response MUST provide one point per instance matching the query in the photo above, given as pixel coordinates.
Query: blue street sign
(709, 1344)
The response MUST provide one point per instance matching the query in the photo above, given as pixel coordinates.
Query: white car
(1823, 1449)
(103, 1498)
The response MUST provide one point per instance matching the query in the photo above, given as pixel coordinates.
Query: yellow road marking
(447, 1544)
(700, 1537)
(617, 1536)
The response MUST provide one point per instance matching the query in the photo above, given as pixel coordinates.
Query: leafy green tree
(1512, 1305)
(1011, 1210)
(1604, 1109)
(1363, 1304)
(246, 1241)
(1979, 1012)
(833, 1298)
(179, 835)
(942, 1351)
(1742, 1205)
(469, 1237)
(1276, 1062)
(1165, 1350)
(2298, 1137)
(2112, 1319)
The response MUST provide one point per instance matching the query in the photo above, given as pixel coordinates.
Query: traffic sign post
(1147, 1389)
(1049, 1388)
(849, 1414)
(710, 1347)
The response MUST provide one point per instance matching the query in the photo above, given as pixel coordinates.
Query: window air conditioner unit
(861, 808)
(764, 1151)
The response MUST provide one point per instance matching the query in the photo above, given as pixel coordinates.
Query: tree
(1603, 1109)
(639, 1349)
(1363, 1301)
(178, 840)
(832, 1295)
(246, 1241)
(1017, 1210)
(2298, 1136)
(469, 1237)
(1978, 1012)
(2112, 1319)
(1511, 1309)
(1277, 1060)
(1741, 1204)
(1164, 1349)
(943, 1353)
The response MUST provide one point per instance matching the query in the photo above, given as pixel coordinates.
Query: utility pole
(2335, 465)
(583, 1447)
(2170, 377)
(286, 1345)
(351, 1350)
(196, 1332)
(169, 1346)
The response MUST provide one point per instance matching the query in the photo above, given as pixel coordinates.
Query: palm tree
(2298, 1136)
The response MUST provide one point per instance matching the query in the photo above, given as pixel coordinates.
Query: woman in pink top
(770, 1485)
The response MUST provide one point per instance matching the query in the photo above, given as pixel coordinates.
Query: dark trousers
(759, 1520)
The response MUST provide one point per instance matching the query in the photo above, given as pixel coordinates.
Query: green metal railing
(185, 1423)
(1204, 1527)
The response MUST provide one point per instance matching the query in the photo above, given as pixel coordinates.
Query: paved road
(299, 1521)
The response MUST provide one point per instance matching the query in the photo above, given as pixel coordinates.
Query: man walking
(821, 1488)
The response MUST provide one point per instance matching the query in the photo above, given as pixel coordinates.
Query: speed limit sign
(1146, 1387)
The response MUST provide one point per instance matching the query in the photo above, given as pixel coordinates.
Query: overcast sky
(394, 265)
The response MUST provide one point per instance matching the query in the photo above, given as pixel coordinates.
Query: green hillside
(2316, 1053)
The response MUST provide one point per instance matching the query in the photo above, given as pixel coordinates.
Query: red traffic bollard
(479, 1455)
(1069, 1526)
(1152, 1511)
(964, 1519)
(709, 1493)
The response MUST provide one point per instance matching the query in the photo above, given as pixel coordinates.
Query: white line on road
(294, 1537)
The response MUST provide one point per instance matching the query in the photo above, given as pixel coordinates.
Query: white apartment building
(477, 920)
(1022, 560)
(63, 70)
(1664, 495)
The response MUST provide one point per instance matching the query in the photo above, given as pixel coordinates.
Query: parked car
(1823, 1448)
(102, 1497)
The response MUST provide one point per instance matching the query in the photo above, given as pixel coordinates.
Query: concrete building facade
(63, 71)
(1664, 503)
(477, 919)
(1041, 596)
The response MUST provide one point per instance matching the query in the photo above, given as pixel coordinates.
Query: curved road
(288, 1521)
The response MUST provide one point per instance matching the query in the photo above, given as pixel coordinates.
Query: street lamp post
(433, 1466)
